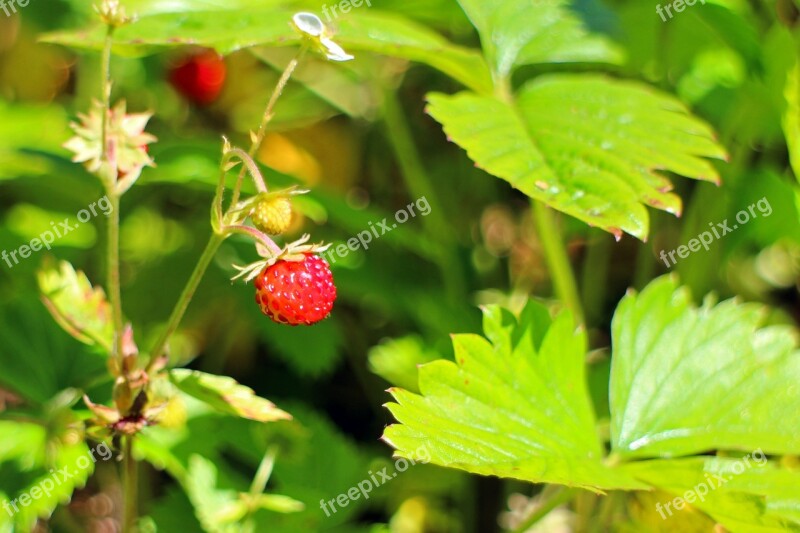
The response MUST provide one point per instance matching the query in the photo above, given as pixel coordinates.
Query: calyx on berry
(295, 251)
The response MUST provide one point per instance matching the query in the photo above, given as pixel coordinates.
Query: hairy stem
(220, 231)
(112, 251)
(269, 112)
(185, 298)
(557, 259)
(420, 185)
(130, 484)
(559, 496)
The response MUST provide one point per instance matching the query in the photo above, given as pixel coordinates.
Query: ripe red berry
(199, 77)
(296, 292)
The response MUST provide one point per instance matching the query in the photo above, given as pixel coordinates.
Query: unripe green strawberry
(272, 215)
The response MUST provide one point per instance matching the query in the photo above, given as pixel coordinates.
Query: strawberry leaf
(515, 405)
(586, 145)
(79, 308)
(226, 395)
(687, 379)
(791, 118)
(743, 494)
(252, 24)
(521, 32)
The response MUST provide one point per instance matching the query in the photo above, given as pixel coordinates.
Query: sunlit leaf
(515, 405)
(226, 395)
(522, 32)
(228, 30)
(687, 379)
(587, 145)
(78, 307)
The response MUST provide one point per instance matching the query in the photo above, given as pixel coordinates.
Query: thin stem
(185, 298)
(105, 92)
(557, 259)
(112, 252)
(420, 185)
(596, 264)
(130, 484)
(269, 112)
(112, 260)
(220, 233)
(260, 236)
(264, 472)
(559, 497)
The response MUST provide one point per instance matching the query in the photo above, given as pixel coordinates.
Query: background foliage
(597, 109)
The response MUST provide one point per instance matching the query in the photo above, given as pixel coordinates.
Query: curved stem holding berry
(259, 236)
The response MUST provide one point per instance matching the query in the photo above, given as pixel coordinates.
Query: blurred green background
(357, 136)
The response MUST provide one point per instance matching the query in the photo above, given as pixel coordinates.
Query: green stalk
(555, 253)
(269, 112)
(185, 298)
(420, 185)
(595, 269)
(559, 497)
(112, 252)
(217, 238)
(130, 483)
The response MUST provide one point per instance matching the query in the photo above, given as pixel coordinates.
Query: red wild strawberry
(199, 77)
(296, 292)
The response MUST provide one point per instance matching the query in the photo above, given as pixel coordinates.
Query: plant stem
(112, 260)
(557, 259)
(596, 265)
(420, 185)
(269, 111)
(264, 472)
(105, 90)
(112, 253)
(130, 484)
(185, 298)
(559, 497)
(217, 238)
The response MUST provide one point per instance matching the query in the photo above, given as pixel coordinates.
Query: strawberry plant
(493, 190)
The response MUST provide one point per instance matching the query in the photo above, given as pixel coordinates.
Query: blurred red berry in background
(199, 76)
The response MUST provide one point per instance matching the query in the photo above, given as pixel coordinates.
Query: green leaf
(24, 139)
(37, 359)
(397, 361)
(228, 30)
(514, 407)
(395, 36)
(685, 380)
(79, 308)
(791, 118)
(226, 395)
(521, 32)
(586, 145)
(216, 509)
(42, 462)
(743, 494)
